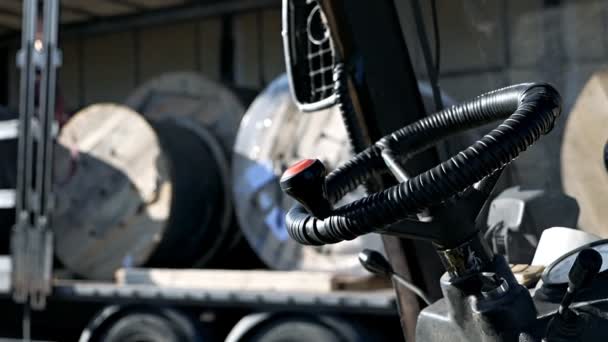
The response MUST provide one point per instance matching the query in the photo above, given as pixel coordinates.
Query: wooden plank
(360, 283)
(228, 280)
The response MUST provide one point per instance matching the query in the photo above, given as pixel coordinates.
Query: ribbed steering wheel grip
(530, 111)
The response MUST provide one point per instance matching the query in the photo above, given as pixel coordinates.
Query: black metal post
(390, 99)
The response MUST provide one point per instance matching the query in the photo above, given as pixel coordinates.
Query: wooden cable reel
(135, 193)
(583, 164)
(113, 191)
(213, 113)
(191, 96)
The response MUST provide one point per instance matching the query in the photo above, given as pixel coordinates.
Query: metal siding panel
(13, 91)
(246, 51)
(12, 6)
(109, 63)
(68, 16)
(10, 21)
(69, 76)
(274, 61)
(98, 7)
(157, 3)
(16, 7)
(210, 47)
(167, 48)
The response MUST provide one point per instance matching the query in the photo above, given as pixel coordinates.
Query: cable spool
(213, 113)
(191, 96)
(273, 135)
(128, 195)
(583, 162)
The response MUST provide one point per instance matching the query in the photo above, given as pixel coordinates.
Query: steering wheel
(528, 111)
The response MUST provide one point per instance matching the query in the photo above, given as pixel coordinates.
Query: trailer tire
(308, 328)
(146, 325)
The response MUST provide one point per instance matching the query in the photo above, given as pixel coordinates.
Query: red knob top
(297, 168)
(305, 182)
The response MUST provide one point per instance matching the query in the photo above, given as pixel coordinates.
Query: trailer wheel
(307, 328)
(146, 325)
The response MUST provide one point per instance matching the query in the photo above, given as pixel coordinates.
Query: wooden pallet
(289, 281)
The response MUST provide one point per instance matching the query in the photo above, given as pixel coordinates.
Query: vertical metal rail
(31, 239)
(386, 97)
(41, 234)
(25, 61)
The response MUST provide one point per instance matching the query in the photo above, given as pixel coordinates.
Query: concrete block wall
(490, 44)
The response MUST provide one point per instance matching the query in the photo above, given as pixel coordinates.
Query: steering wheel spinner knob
(305, 182)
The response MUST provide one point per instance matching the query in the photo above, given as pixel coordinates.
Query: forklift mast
(32, 237)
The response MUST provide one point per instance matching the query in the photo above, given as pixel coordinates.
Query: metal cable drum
(213, 113)
(273, 135)
(126, 198)
(584, 155)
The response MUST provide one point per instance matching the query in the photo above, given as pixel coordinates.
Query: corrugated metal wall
(107, 67)
(485, 44)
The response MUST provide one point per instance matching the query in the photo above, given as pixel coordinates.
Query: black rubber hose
(412, 139)
(529, 111)
(345, 107)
